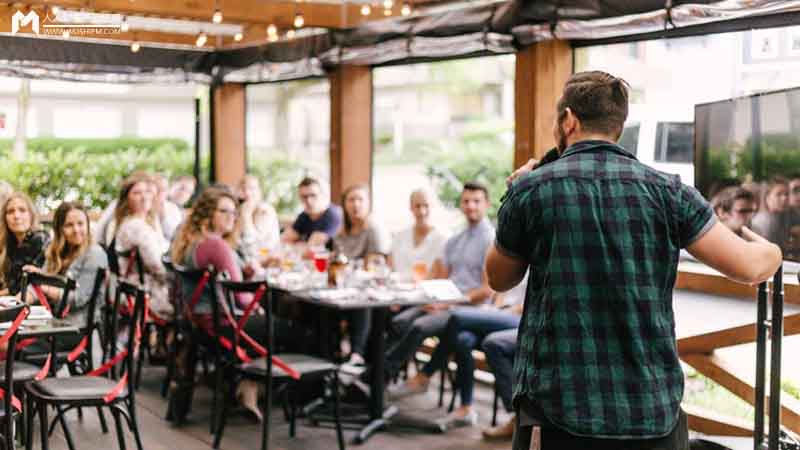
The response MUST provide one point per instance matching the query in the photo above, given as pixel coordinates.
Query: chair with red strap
(295, 371)
(11, 406)
(102, 387)
(79, 358)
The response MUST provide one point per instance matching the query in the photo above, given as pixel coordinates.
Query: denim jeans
(413, 326)
(466, 329)
(499, 348)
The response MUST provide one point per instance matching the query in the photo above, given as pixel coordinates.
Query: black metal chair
(94, 389)
(308, 369)
(11, 406)
(80, 359)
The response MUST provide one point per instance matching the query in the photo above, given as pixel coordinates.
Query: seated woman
(415, 249)
(72, 253)
(359, 238)
(259, 221)
(137, 226)
(772, 221)
(22, 242)
(208, 238)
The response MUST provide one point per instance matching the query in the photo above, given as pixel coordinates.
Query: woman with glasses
(207, 238)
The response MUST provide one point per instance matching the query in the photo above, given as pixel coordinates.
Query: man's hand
(435, 308)
(527, 167)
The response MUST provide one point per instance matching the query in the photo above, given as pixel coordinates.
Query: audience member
(207, 239)
(170, 215)
(415, 249)
(138, 228)
(360, 238)
(22, 242)
(182, 189)
(259, 221)
(463, 260)
(735, 207)
(73, 254)
(319, 221)
(772, 221)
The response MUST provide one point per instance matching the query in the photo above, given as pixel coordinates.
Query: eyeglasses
(745, 211)
(228, 212)
(307, 196)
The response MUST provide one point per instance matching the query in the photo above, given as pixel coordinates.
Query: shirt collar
(595, 145)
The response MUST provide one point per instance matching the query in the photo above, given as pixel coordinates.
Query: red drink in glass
(321, 262)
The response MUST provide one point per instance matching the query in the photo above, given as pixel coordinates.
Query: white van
(663, 141)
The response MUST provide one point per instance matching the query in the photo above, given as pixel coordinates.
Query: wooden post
(229, 155)
(351, 128)
(541, 72)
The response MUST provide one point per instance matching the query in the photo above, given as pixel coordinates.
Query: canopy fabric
(488, 28)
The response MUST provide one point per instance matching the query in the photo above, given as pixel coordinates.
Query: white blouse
(404, 254)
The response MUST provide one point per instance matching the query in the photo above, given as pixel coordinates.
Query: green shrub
(49, 145)
(279, 178)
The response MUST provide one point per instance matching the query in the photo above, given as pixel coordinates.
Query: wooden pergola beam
(541, 72)
(229, 156)
(281, 13)
(351, 128)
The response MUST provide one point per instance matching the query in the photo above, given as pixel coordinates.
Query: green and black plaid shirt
(601, 231)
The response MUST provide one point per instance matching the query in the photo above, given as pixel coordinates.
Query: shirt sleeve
(84, 275)
(215, 251)
(514, 236)
(299, 223)
(333, 221)
(695, 216)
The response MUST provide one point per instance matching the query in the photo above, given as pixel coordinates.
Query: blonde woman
(22, 242)
(258, 219)
(137, 226)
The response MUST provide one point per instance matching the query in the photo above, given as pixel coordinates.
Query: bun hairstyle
(599, 101)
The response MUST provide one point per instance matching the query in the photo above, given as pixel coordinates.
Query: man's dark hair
(598, 100)
(308, 181)
(475, 186)
(725, 199)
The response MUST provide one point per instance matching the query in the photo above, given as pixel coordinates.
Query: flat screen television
(752, 144)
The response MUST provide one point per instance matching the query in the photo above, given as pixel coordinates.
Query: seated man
(467, 329)
(735, 207)
(463, 260)
(319, 221)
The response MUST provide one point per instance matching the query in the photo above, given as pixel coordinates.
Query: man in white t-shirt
(420, 244)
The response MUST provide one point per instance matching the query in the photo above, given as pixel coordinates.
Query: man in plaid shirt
(596, 364)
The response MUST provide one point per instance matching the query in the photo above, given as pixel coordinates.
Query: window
(288, 127)
(675, 142)
(437, 125)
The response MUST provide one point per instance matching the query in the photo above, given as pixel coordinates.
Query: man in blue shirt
(319, 220)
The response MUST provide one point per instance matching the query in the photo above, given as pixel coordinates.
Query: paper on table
(440, 289)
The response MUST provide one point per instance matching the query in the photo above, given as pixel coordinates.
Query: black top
(328, 223)
(30, 252)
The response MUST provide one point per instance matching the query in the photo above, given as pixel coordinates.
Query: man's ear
(570, 123)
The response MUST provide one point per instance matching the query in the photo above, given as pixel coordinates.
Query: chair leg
(28, 413)
(441, 385)
(65, 427)
(336, 417)
(453, 396)
(222, 419)
(292, 416)
(102, 418)
(43, 426)
(118, 426)
(133, 424)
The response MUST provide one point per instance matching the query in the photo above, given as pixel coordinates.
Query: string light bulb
(273, 38)
(238, 37)
(272, 30)
(135, 46)
(388, 4)
(299, 20)
(387, 12)
(55, 10)
(406, 9)
(366, 10)
(201, 40)
(124, 26)
(217, 17)
(290, 34)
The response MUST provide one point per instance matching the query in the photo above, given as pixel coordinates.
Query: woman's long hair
(60, 254)
(123, 210)
(348, 223)
(6, 235)
(194, 227)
